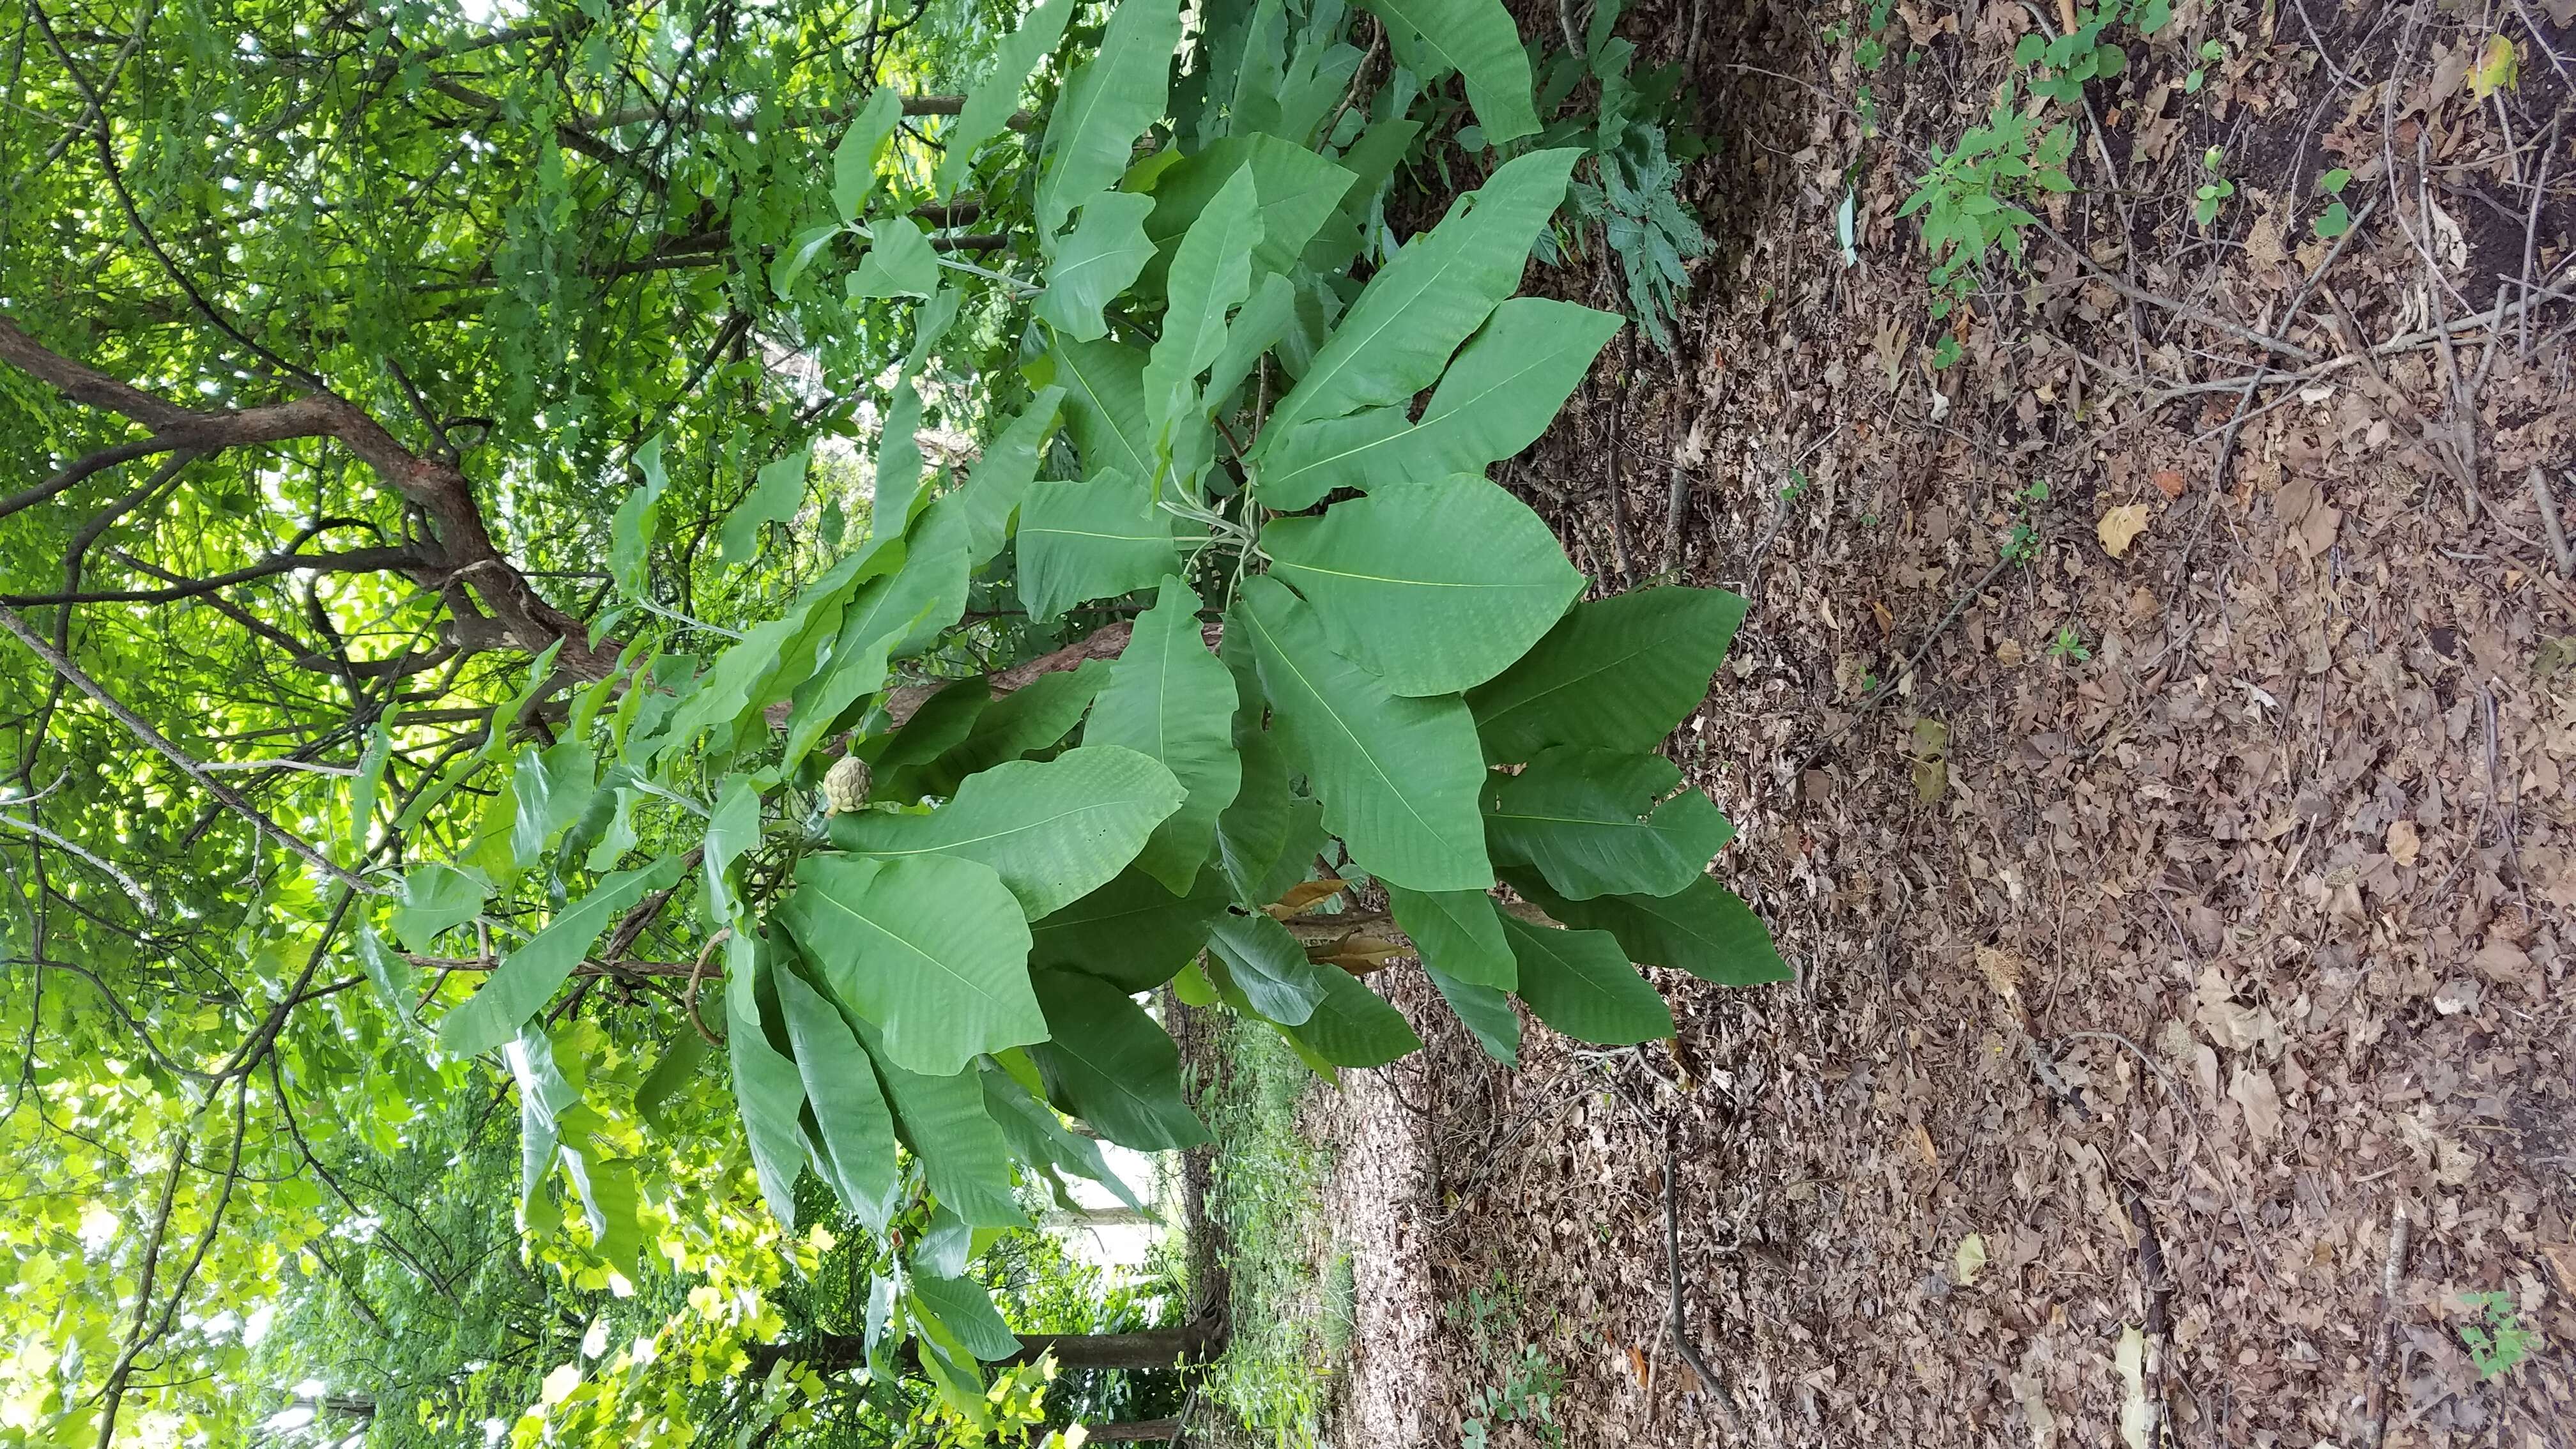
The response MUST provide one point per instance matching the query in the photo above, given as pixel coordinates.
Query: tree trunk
(1147, 1349)
(1136, 1431)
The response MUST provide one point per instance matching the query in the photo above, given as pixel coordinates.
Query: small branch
(2392, 1275)
(2549, 524)
(360, 560)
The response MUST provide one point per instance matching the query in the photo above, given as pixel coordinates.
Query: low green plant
(2069, 644)
(2498, 1341)
(2023, 542)
(2336, 219)
(1521, 1383)
(2213, 194)
(1265, 1197)
(2211, 51)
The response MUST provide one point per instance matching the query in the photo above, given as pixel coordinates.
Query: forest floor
(2196, 905)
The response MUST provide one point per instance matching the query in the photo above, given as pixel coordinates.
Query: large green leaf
(1580, 982)
(1435, 585)
(1486, 1013)
(1269, 967)
(526, 978)
(1297, 190)
(1034, 717)
(1398, 336)
(1496, 398)
(1131, 932)
(1171, 700)
(853, 1129)
(1618, 673)
(1094, 263)
(928, 947)
(887, 613)
(1108, 1063)
(1590, 822)
(1052, 830)
(1257, 328)
(435, 897)
(861, 148)
(1091, 540)
(990, 103)
(1456, 933)
(1475, 38)
(1353, 1026)
(1106, 104)
(552, 786)
(965, 1159)
(630, 533)
(1038, 1138)
(1104, 403)
(1211, 274)
(897, 263)
(767, 1088)
(777, 491)
(966, 1310)
(1705, 930)
(1398, 777)
(991, 498)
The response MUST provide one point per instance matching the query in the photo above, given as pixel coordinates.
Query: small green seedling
(2211, 51)
(2336, 218)
(2069, 644)
(2024, 541)
(2212, 196)
(1796, 487)
(2500, 1342)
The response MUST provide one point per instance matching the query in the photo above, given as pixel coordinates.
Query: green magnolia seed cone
(845, 785)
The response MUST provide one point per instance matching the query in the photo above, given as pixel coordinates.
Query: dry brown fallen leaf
(2120, 527)
(2403, 842)
(2170, 483)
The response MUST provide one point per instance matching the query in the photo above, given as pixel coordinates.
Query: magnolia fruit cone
(845, 785)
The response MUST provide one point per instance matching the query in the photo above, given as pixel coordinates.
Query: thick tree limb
(356, 560)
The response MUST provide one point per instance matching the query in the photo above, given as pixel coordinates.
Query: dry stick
(2390, 1276)
(1879, 696)
(2548, 503)
(2185, 310)
(1610, 461)
(2421, 338)
(143, 731)
(1676, 1324)
(2531, 229)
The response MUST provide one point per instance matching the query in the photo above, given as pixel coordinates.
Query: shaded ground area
(2196, 906)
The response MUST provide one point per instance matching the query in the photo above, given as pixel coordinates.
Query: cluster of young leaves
(913, 992)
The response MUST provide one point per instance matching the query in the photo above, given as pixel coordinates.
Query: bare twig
(2384, 1339)
(698, 973)
(2547, 502)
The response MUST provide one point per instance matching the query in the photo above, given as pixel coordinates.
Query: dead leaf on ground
(2170, 483)
(2120, 527)
(2252, 1090)
(2404, 843)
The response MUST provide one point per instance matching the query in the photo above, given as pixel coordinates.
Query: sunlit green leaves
(898, 261)
(1435, 585)
(929, 947)
(435, 897)
(527, 977)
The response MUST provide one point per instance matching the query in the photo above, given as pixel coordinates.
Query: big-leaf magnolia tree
(776, 567)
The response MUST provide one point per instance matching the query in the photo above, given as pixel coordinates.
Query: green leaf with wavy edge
(1580, 982)
(1054, 831)
(927, 947)
(1619, 673)
(526, 978)
(852, 1129)
(1456, 932)
(1095, 539)
(990, 101)
(1595, 823)
(1485, 1012)
(1131, 932)
(553, 787)
(1095, 262)
(897, 481)
(1170, 700)
(1436, 586)
(732, 828)
(1108, 1063)
(1041, 1141)
(861, 148)
(1397, 337)
(1267, 966)
(777, 491)
(1106, 104)
(1353, 1026)
(1211, 274)
(1398, 777)
(630, 534)
(1498, 395)
(1706, 930)
(965, 1159)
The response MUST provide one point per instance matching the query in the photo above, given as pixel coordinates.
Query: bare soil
(2140, 992)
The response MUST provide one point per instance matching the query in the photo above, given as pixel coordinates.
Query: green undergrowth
(1290, 1288)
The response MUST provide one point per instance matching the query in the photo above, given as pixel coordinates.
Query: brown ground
(2213, 951)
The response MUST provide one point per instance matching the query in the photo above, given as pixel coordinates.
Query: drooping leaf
(1705, 930)
(1441, 288)
(965, 1160)
(1211, 274)
(1131, 932)
(1107, 103)
(732, 828)
(990, 102)
(862, 146)
(967, 1311)
(1618, 673)
(553, 787)
(1486, 1013)
(1171, 700)
(1041, 1141)
(927, 947)
(767, 1088)
(1257, 327)
(1353, 1026)
(671, 1076)
(1580, 982)
(1457, 934)
(1436, 585)
(1104, 403)
(1475, 38)
(853, 1130)
(1296, 189)
(1398, 777)
(1589, 821)
(991, 497)
(898, 475)
(1053, 830)
(1033, 717)
(1269, 967)
(527, 977)
(435, 897)
(1094, 263)
(777, 491)
(630, 534)
(1091, 540)
(1108, 1063)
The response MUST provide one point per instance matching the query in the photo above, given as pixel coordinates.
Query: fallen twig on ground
(2384, 1339)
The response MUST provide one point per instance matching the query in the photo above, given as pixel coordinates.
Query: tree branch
(356, 560)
